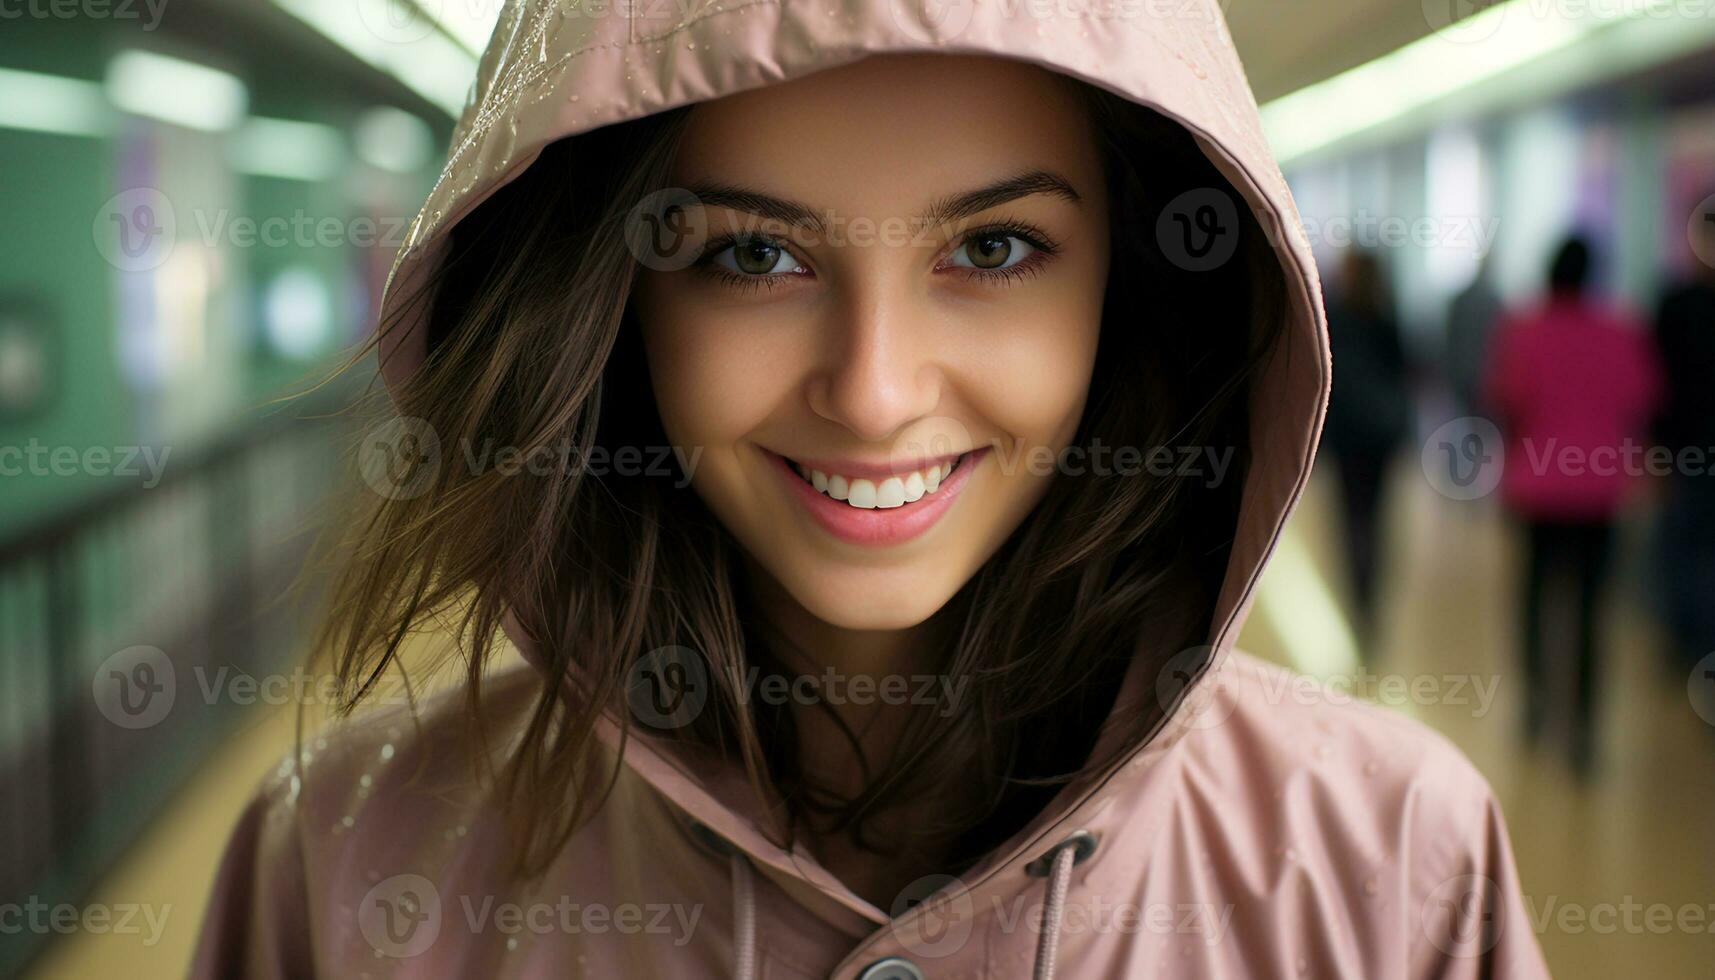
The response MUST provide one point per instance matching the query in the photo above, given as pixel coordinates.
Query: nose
(880, 370)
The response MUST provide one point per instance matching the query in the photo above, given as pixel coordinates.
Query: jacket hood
(552, 71)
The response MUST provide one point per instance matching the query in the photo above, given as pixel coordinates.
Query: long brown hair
(531, 345)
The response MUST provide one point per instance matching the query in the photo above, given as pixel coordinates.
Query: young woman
(870, 429)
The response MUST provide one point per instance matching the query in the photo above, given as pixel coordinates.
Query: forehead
(890, 133)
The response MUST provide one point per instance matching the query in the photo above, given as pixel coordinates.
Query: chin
(872, 599)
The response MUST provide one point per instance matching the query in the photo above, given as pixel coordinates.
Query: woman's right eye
(755, 257)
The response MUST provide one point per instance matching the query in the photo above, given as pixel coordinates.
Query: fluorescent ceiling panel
(1582, 43)
(398, 38)
(53, 104)
(176, 91)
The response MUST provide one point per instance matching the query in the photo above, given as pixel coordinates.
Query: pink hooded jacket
(1264, 830)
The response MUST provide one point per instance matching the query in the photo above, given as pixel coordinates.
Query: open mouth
(893, 491)
(882, 506)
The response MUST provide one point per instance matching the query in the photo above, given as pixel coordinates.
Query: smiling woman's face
(868, 391)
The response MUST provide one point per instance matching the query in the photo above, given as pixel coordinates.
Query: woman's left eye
(991, 252)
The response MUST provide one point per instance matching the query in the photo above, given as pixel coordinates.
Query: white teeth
(914, 487)
(895, 491)
(891, 493)
(862, 495)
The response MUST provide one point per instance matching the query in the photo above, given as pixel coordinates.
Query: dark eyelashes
(1028, 233)
(704, 263)
(1044, 246)
(716, 246)
(735, 279)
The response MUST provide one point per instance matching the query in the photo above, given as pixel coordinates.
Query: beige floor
(1593, 860)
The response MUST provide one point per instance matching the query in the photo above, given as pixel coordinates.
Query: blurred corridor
(204, 197)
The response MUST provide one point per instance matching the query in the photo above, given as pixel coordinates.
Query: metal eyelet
(891, 968)
(1083, 844)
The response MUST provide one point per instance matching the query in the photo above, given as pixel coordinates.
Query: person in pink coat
(869, 423)
(1573, 383)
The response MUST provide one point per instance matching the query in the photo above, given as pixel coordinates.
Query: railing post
(69, 692)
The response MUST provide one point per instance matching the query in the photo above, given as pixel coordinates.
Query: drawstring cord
(743, 899)
(1056, 866)
(744, 919)
(1059, 883)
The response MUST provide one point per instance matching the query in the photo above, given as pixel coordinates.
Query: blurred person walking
(1685, 334)
(1572, 381)
(1471, 318)
(1369, 414)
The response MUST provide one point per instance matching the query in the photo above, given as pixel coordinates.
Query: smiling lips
(876, 505)
(893, 491)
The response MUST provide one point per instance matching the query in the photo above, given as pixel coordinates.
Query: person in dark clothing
(1471, 318)
(1369, 413)
(1685, 335)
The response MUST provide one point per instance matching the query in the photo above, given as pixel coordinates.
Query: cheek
(1034, 377)
(710, 390)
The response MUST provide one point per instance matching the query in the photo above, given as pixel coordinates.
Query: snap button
(891, 968)
(1082, 843)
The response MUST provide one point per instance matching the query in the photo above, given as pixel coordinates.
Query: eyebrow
(946, 209)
